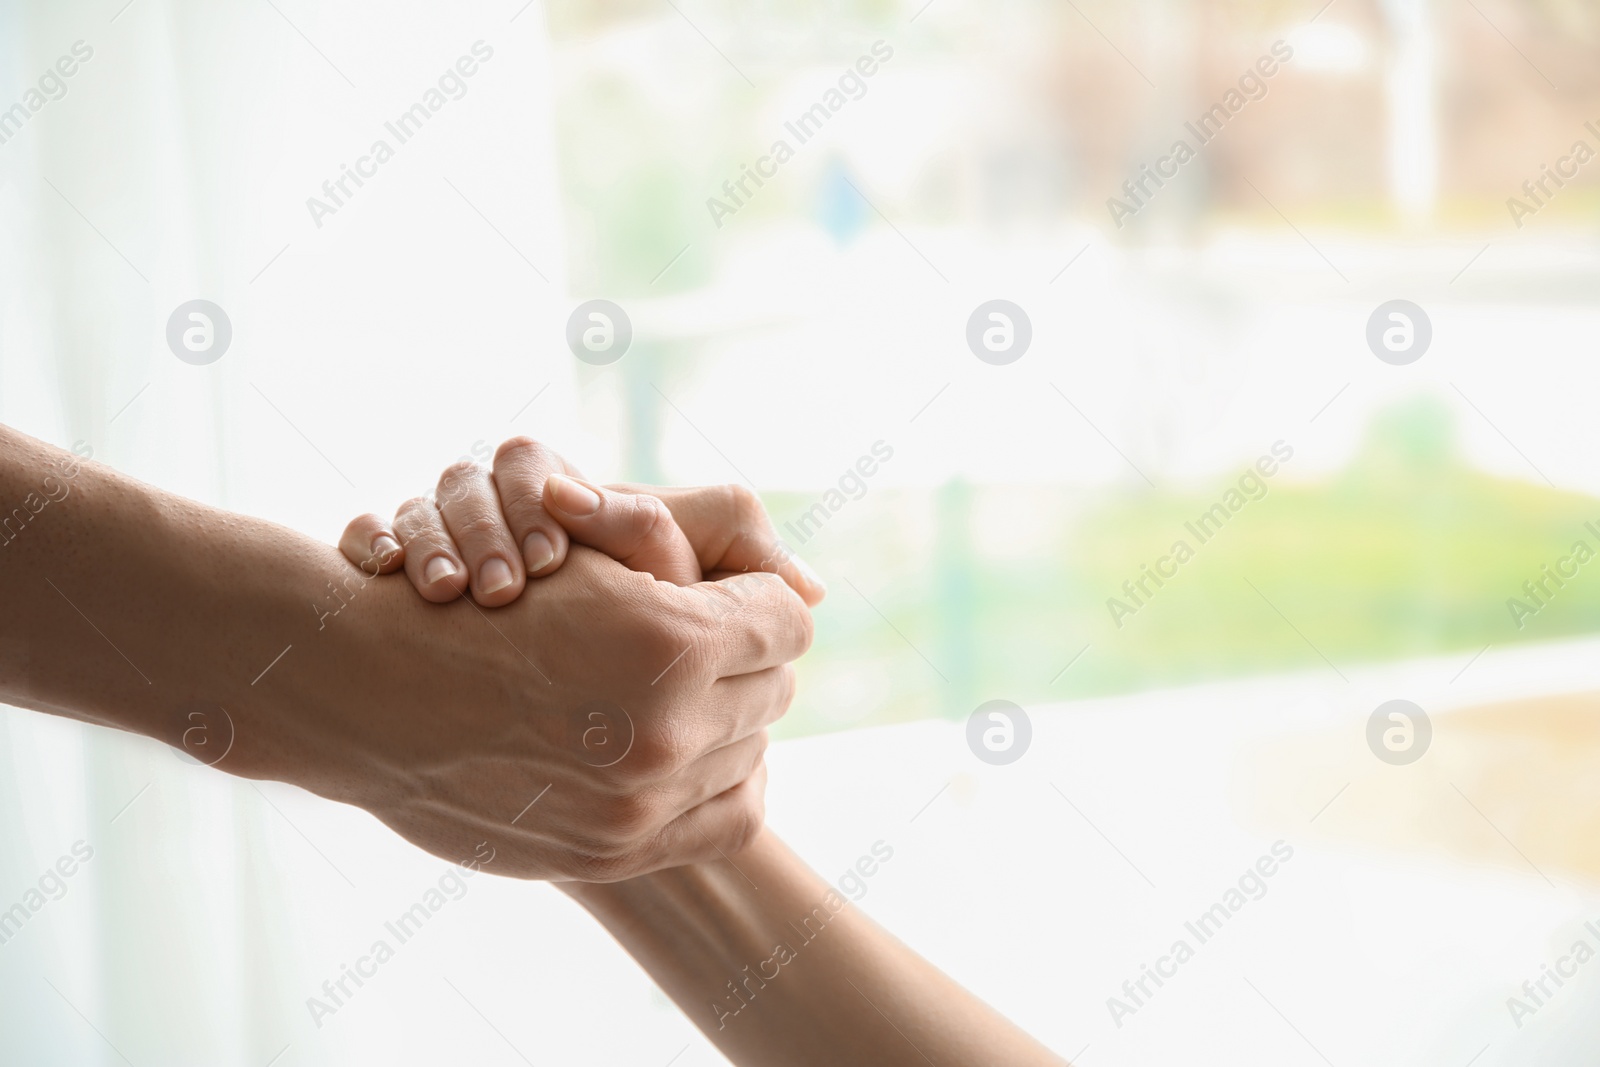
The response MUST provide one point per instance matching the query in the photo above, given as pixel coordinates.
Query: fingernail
(384, 548)
(537, 551)
(494, 576)
(574, 498)
(438, 569)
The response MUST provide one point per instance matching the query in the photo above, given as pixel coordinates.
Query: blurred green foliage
(1408, 552)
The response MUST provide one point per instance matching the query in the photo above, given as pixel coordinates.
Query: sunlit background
(783, 331)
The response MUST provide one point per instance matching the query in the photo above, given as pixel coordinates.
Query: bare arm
(777, 969)
(761, 954)
(126, 605)
(131, 607)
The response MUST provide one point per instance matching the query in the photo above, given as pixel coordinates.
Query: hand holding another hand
(492, 530)
(651, 741)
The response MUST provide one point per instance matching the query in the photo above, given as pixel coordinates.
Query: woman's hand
(489, 531)
(860, 995)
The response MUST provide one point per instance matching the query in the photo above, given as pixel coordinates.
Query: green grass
(1406, 553)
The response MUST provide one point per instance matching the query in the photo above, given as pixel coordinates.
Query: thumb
(635, 529)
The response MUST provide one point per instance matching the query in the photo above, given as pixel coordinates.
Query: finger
(739, 707)
(746, 704)
(756, 621)
(730, 531)
(471, 510)
(432, 562)
(716, 772)
(521, 468)
(718, 829)
(634, 529)
(370, 544)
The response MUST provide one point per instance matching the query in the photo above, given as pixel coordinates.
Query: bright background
(424, 321)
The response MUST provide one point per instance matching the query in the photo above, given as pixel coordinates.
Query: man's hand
(604, 725)
(534, 497)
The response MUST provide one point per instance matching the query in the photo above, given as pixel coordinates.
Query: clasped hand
(629, 649)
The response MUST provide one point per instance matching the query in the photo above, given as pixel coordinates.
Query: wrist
(190, 603)
(201, 620)
(142, 604)
(245, 590)
(715, 908)
(252, 648)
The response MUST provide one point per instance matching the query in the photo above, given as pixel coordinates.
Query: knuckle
(774, 628)
(413, 518)
(518, 497)
(645, 515)
(415, 505)
(479, 526)
(747, 823)
(521, 448)
(661, 751)
(763, 642)
(806, 630)
(458, 478)
(673, 637)
(358, 535)
(788, 685)
(628, 817)
(744, 504)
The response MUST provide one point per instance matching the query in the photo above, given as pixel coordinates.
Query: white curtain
(413, 326)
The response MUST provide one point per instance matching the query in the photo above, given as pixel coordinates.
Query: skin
(133, 608)
(853, 994)
(469, 534)
(767, 959)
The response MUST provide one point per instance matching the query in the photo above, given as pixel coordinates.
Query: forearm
(132, 607)
(776, 968)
